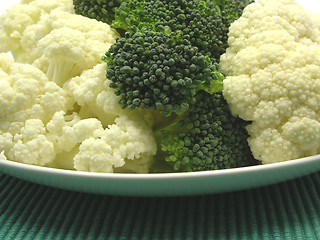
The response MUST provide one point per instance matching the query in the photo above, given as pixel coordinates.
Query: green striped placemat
(289, 210)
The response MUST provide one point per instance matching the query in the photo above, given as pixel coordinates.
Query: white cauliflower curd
(273, 78)
(16, 19)
(57, 109)
(28, 100)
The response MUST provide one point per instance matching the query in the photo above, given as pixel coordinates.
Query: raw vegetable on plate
(129, 86)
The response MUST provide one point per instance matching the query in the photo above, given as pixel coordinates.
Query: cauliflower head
(41, 123)
(128, 144)
(57, 109)
(85, 40)
(40, 33)
(28, 101)
(273, 78)
(111, 139)
(15, 20)
(92, 93)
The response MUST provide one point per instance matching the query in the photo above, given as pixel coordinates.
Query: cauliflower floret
(60, 131)
(68, 54)
(273, 78)
(28, 101)
(91, 91)
(128, 143)
(48, 6)
(31, 31)
(31, 145)
(121, 140)
(26, 93)
(57, 109)
(63, 44)
(15, 20)
(91, 28)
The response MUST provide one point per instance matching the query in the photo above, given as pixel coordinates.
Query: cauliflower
(31, 144)
(57, 109)
(15, 20)
(26, 93)
(2, 156)
(46, 7)
(128, 143)
(59, 32)
(37, 29)
(91, 91)
(28, 101)
(273, 78)
(35, 126)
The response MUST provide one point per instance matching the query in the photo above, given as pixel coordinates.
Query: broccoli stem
(172, 123)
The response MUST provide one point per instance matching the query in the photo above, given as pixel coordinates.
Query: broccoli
(231, 10)
(185, 16)
(101, 10)
(204, 22)
(167, 62)
(205, 137)
(163, 72)
(158, 71)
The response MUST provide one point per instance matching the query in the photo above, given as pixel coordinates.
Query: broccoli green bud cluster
(167, 61)
(206, 137)
(231, 10)
(101, 10)
(158, 71)
(204, 22)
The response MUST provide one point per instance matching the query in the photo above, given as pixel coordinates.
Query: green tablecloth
(289, 210)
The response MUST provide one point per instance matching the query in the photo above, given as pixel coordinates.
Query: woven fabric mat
(289, 210)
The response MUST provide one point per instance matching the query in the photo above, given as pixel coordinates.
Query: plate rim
(163, 184)
(159, 176)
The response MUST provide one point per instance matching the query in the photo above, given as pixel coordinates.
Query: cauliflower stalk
(273, 78)
(56, 107)
(2, 156)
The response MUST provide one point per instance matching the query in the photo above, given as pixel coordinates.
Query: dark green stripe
(289, 210)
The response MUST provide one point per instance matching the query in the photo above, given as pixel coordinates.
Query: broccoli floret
(206, 137)
(231, 10)
(204, 22)
(159, 71)
(101, 10)
(167, 62)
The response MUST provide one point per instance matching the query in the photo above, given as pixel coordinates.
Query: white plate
(164, 184)
(167, 184)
